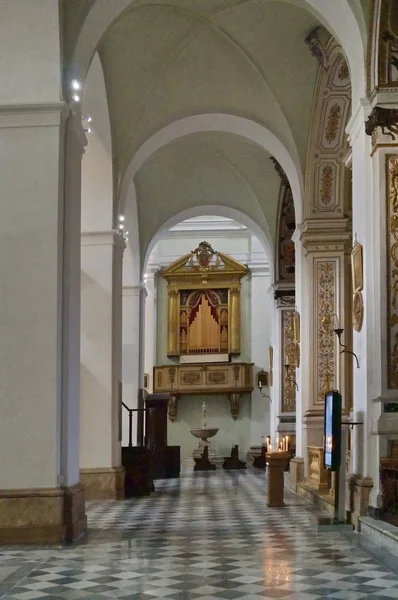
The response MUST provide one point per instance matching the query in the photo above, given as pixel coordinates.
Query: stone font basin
(204, 432)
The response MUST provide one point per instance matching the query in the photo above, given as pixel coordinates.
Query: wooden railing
(317, 475)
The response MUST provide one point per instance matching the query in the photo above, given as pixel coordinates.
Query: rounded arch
(225, 123)
(339, 17)
(218, 211)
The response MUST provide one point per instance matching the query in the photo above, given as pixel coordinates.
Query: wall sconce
(339, 332)
(262, 381)
(292, 379)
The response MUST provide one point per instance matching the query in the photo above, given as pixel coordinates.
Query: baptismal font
(203, 433)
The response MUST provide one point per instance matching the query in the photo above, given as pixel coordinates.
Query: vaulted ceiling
(164, 61)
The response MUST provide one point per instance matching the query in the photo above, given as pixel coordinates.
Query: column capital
(43, 114)
(356, 123)
(134, 290)
(326, 235)
(107, 237)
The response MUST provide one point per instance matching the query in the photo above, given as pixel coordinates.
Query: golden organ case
(204, 303)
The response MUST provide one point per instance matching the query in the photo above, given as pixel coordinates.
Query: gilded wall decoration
(327, 199)
(327, 146)
(392, 269)
(325, 278)
(289, 355)
(343, 72)
(333, 123)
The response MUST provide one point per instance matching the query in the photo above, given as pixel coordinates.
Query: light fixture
(75, 84)
(76, 97)
(121, 226)
(262, 381)
(339, 332)
(121, 218)
(292, 379)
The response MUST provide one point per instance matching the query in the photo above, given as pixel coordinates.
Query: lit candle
(277, 444)
(287, 443)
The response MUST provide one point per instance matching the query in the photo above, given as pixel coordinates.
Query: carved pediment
(204, 264)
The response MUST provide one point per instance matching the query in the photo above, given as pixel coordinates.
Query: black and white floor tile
(205, 536)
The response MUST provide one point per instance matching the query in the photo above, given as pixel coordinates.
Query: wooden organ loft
(204, 324)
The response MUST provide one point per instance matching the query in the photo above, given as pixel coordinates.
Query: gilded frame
(357, 268)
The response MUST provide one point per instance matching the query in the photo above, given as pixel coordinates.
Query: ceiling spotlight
(75, 84)
(76, 97)
(121, 226)
(121, 218)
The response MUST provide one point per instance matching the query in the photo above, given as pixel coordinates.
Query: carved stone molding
(325, 235)
(392, 269)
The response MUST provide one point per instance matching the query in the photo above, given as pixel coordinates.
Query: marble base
(381, 533)
(46, 515)
(103, 483)
(296, 472)
(360, 489)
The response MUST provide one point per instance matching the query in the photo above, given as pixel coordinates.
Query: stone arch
(219, 211)
(325, 184)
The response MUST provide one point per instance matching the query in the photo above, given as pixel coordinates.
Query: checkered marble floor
(205, 536)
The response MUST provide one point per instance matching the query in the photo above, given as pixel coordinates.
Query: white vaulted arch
(217, 211)
(338, 16)
(245, 128)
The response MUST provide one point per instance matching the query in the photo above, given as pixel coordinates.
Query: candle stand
(277, 462)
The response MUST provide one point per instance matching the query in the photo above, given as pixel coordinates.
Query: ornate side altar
(203, 329)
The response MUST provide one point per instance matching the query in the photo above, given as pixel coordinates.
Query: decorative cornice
(45, 114)
(108, 237)
(320, 235)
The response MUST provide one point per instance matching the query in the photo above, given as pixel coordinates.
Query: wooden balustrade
(317, 475)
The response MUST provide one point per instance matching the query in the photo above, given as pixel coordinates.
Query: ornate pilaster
(172, 336)
(327, 247)
(235, 320)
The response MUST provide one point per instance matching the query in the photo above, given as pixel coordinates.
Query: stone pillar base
(296, 472)
(360, 489)
(42, 516)
(103, 483)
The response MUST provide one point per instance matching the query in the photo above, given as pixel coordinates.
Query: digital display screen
(328, 430)
(332, 431)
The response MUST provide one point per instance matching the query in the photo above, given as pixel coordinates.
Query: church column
(375, 215)
(101, 472)
(327, 247)
(150, 328)
(41, 499)
(261, 322)
(130, 377)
